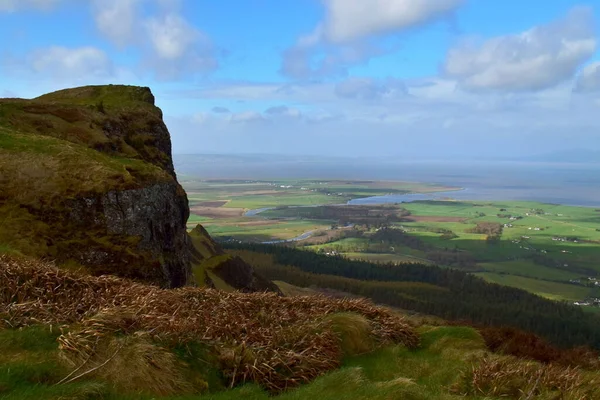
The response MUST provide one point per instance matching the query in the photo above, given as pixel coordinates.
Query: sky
(411, 79)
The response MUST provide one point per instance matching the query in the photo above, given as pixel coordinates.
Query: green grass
(530, 270)
(391, 372)
(194, 220)
(550, 290)
(342, 245)
(276, 231)
(385, 258)
(112, 96)
(71, 168)
(287, 199)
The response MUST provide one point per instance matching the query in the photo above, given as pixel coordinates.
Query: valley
(547, 249)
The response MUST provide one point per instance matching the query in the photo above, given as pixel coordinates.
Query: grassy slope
(29, 369)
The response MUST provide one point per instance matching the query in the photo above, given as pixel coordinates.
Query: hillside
(88, 181)
(124, 340)
(104, 294)
(447, 293)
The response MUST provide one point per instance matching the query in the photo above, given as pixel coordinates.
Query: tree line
(443, 292)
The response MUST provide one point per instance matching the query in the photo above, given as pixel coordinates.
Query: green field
(548, 249)
(529, 269)
(551, 290)
(385, 258)
(243, 230)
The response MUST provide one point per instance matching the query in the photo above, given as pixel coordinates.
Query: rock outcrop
(156, 215)
(214, 268)
(88, 180)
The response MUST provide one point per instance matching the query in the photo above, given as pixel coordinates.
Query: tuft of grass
(133, 364)
(518, 379)
(354, 331)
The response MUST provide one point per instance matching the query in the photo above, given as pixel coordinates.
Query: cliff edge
(88, 180)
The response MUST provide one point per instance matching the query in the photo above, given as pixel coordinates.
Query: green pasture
(274, 231)
(291, 198)
(342, 245)
(529, 269)
(550, 290)
(509, 261)
(385, 258)
(193, 220)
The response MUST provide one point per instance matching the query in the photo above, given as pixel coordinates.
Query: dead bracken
(275, 341)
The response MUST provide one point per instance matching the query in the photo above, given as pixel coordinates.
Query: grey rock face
(155, 215)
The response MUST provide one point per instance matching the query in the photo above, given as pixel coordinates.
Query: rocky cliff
(88, 181)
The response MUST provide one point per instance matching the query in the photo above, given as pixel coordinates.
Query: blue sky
(408, 78)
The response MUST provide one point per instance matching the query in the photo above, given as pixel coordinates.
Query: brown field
(255, 192)
(329, 235)
(253, 222)
(434, 218)
(212, 203)
(217, 212)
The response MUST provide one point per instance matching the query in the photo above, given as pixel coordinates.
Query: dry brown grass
(133, 364)
(261, 337)
(509, 377)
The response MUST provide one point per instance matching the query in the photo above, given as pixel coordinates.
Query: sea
(576, 184)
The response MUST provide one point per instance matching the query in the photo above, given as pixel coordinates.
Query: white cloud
(247, 117)
(435, 119)
(116, 19)
(14, 5)
(220, 110)
(178, 48)
(345, 37)
(171, 36)
(171, 46)
(536, 59)
(299, 61)
(589, 78)
(353, 19)
(283, 112)
(71, 63)
(369, 88)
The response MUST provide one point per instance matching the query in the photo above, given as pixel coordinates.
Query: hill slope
(123, 340)
(88, 181)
